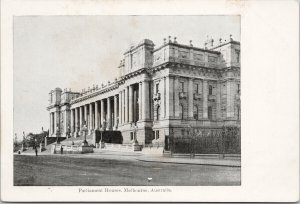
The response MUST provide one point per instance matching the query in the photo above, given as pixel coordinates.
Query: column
(65, 120)
(115, 111)
(56, 118)
(76, 122)
(140, 101)
(80, 117)
(51, 123)
(126, 105)
(218, 100)
(102, 113)
(108, 114)
(71, 121)
(54, 122)
(130, 104)
(120, 108)
(176, 97)
(96, 116)
(90, 118)
(169, 97)
(85, 122)
(205, 94)
(146, 105)
(190, 98)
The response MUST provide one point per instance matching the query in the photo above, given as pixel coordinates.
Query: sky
(79, 51)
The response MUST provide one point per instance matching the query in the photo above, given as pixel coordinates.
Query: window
(157, 88)
(158, 113)
(196, 88)
(181, 111)
(157, 134)
(196, 112)
(131, 135)
(182, 86)
(210, 89)
(210, 113)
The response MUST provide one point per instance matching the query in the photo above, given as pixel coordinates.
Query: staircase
(78, 140)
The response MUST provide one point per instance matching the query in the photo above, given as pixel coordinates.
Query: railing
(224, 141)
(70, 149)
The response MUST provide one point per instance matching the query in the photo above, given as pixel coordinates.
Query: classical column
(80, 117)
(176, 97)
(90, 118)
(218, 100)
(71, 122)
(130, 104)
(126, 105)
(169, 97)
(96, 116)
(120, 108)
(102, 113)
(56, 118)
(65, 121)
(76, 122)
(146, 105)
(140, 101)
(85, 122)
(51, 123)
(108, 114)
(115, 111)
(55, 122)
(205, 98)
(190, 99)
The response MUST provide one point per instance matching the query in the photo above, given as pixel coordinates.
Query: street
(56, 170)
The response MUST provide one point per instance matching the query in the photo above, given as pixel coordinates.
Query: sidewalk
(138, 156)
(194, 161)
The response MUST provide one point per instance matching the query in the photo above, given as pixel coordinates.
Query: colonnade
(130, 105)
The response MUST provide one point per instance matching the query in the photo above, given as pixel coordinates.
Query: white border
(270, 97)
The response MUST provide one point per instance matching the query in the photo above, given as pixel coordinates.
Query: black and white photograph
(148, 102)
(127, 101)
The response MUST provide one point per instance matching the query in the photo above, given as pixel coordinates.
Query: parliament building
(160, 90)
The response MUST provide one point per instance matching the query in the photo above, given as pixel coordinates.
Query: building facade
(159, 91)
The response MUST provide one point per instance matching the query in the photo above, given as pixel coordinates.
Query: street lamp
(84, 130)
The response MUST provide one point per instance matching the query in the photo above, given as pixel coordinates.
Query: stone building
(159, 91)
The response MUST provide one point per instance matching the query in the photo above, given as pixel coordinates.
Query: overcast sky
(79, 51)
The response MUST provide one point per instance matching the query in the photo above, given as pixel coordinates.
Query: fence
(224, 141)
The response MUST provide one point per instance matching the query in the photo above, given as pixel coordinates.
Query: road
(56, 170)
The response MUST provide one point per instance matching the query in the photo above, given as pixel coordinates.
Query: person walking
(61, 149)
(36, 150)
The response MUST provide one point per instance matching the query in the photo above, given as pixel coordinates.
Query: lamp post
(84, 130)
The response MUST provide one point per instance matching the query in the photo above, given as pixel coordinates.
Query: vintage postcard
(146, 103)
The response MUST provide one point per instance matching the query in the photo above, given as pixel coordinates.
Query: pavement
(118, 155)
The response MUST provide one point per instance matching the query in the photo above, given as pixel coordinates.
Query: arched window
(181, 111)
(158, 113)
(196, 112)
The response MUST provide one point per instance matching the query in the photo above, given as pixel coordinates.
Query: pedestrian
(36, 150)
(61, 149)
